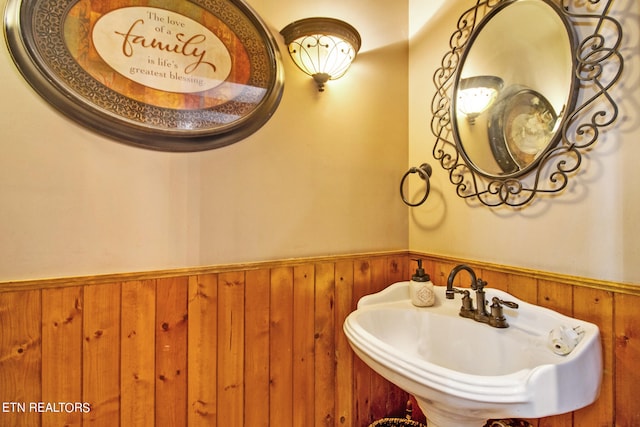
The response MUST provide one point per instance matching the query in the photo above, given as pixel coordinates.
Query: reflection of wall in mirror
(475, 142)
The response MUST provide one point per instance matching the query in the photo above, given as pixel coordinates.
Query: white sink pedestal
(440, 417)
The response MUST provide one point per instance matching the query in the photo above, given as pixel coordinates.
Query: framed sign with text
(171, 75)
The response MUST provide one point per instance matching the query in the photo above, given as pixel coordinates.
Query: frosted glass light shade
(476, 94)
(323, 48)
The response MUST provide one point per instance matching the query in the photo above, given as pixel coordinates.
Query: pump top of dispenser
(420, 275)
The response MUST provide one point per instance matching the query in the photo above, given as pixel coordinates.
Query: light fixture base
(321, 79)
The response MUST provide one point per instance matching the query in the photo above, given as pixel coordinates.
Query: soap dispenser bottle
(421, 288)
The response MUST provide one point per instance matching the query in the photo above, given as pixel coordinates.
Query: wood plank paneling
(230, 336)
(62, 353)
(256, 363)
(495, 279)
(397, 270)
(138, 354)
(202, 351)
(325, 342)
(522, 287)
(344, 354)
(362, 374)
(102, 358)
(441, 272)
(555, 297)
(303, 345)
(20, 357)
(171, 351)
(259, 346)
(627, 358)
(281, 347)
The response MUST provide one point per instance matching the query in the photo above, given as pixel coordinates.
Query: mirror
(506, 113)
(511, 92)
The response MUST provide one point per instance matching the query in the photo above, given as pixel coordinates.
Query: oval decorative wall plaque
(190, 76)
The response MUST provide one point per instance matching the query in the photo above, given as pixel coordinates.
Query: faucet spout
(451, 291)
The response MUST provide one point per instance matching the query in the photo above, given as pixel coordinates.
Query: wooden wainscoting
(258, 345)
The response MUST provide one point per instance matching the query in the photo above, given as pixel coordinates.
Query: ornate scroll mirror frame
(530, 143)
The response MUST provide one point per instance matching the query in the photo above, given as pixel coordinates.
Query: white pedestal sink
(463, 372)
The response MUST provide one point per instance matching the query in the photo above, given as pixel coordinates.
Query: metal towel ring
(425, 173)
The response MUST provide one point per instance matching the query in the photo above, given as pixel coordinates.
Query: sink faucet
(480, 313)
(451, 291)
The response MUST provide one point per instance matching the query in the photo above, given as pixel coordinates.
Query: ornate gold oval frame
(51, 43)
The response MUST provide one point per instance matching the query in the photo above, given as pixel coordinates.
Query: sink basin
(463, 372)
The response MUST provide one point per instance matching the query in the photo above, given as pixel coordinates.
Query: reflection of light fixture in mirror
(322, 47)
(476, 94)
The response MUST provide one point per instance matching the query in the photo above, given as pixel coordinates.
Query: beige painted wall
(319, 178)
(590, 230)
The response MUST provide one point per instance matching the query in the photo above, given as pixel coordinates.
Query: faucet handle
(497, 319)
(509, 304)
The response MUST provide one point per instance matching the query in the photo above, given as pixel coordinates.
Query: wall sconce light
(322, 47)
(476, 94)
